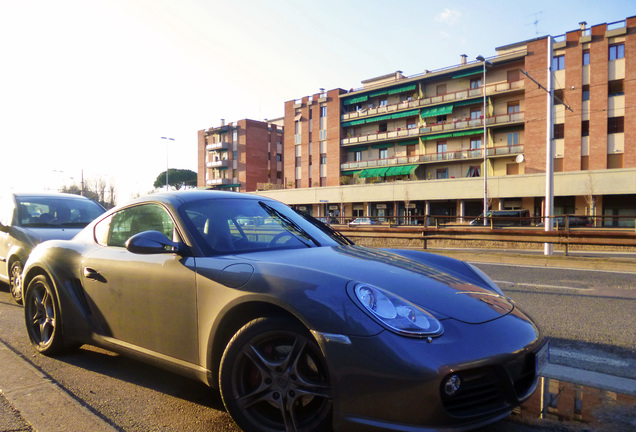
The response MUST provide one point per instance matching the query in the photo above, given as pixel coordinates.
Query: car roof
(47, 195)
(180, 197)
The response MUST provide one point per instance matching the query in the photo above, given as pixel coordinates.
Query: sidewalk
(30, 401)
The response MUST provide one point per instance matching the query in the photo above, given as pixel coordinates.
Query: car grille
(491, 389)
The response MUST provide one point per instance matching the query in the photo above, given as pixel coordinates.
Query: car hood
(38, 235)
(438, 289)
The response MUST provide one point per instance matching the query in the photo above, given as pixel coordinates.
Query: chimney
(222, 122)
(464, 57)
(398, 75)
(582, 25)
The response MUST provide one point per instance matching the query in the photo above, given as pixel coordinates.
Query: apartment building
(422, 144)
(242, 156)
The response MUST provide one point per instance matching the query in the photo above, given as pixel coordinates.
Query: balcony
(217, 164)
(220, 146)
(491, 90)
(217, 181)
(446, 127)
(460, 155)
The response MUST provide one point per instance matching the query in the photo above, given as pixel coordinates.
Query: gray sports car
(300, 329)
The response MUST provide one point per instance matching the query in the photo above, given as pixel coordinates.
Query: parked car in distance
(27, 219)
(503, 218)
(571, 221)
(363, 221)
(300, 329)
(328, 220)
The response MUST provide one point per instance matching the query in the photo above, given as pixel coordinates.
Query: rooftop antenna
(537, 18)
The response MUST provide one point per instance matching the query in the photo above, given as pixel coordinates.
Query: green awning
(468, 73)
(229, 185)
(408, 142)
(468, 133)
(437, 136)
(402, 89)
(373, 172)
(469, 102)
(351, 172)
(383, 145)
(353, 123)
(356, 99)
(405, 114)
(378, 93)
(401, 170)
(356, 148)
(436, 111)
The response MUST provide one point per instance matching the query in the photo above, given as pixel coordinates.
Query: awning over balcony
(356, 148)
(351, 172)
(403, 114)
(436, 111)
(402, 89)
(383, 145)
(353, 123)
(452, 135)
(468, 73)
(373, 172)
(401, 170)
(408, 142)
(355, 100)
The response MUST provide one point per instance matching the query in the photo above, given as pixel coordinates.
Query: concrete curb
(40, 401)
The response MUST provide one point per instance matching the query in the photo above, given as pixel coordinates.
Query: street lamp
(167, 142)
(485, 143)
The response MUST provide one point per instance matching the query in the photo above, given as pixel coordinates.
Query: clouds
(449, 17)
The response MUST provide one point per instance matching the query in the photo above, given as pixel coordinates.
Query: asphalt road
(589, 314)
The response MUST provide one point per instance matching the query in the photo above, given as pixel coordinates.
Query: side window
(115, 230)
(6, 210)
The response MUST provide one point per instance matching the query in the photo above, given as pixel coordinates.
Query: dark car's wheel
(41, 313)
(273, 377)
(15, 281)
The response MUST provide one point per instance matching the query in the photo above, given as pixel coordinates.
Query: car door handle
(90, 273)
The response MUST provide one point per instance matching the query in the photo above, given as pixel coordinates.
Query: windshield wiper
(289, 223)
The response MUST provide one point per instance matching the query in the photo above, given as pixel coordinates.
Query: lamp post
(167, 142)
(485, 146)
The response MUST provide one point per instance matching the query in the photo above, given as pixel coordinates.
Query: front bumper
(390, 382)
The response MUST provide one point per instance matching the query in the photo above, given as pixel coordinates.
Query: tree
(96, 189)
(177, 178)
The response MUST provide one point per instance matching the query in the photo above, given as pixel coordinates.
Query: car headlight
(396, 313)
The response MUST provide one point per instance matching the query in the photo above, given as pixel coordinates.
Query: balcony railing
(452, 126)
(217, 181)
(217, 164)
(491, 89)
(223, 145)
(435, 157)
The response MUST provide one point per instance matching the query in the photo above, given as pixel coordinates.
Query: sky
(89, 87)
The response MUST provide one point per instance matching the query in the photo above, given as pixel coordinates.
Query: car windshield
(55, 212)
(245, 225)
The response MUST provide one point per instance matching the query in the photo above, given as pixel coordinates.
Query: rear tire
(273, 378)
(15, 281)
(42, 316)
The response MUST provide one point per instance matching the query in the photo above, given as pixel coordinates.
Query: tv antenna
(537, 18)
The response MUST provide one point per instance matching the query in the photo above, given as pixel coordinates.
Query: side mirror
(151, 242)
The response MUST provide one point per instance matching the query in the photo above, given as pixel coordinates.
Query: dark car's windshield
(243, 225)
(54, 212)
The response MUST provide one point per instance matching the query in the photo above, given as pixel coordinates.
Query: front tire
(15, 281)
(273, 378)
(42, 315)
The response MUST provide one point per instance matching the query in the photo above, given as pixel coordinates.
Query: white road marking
(560, 287)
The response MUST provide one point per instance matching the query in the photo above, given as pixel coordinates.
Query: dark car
(28, 219)
(300, 329)
(363, 221)
(502, 218)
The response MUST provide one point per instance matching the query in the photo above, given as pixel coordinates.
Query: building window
(357, 156)
(323, 181)
(558, 131)
(616, 51)
(475, 113)
(384, 102)
(615, 88)
(586, 92)
(441, 118)
(298, 184)
(411, 123)
(298, 161)
(585, 128)
(279, 157)
(558, 97)
(586, 57)
(441, 150)
(235, 155)
(474, 171)
(234, 136)
(323, 135)
(323, 159)
(382, 127)
(269, 156)
(384, 153)
(513, 138)
(442, 173)
(615, 125)
(513, 107)
(440, 89)
(558, 63)
(475, 83)
(323, 111)
(475, 143)
(411, 150)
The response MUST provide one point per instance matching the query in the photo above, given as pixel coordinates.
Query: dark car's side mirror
(151, 242)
